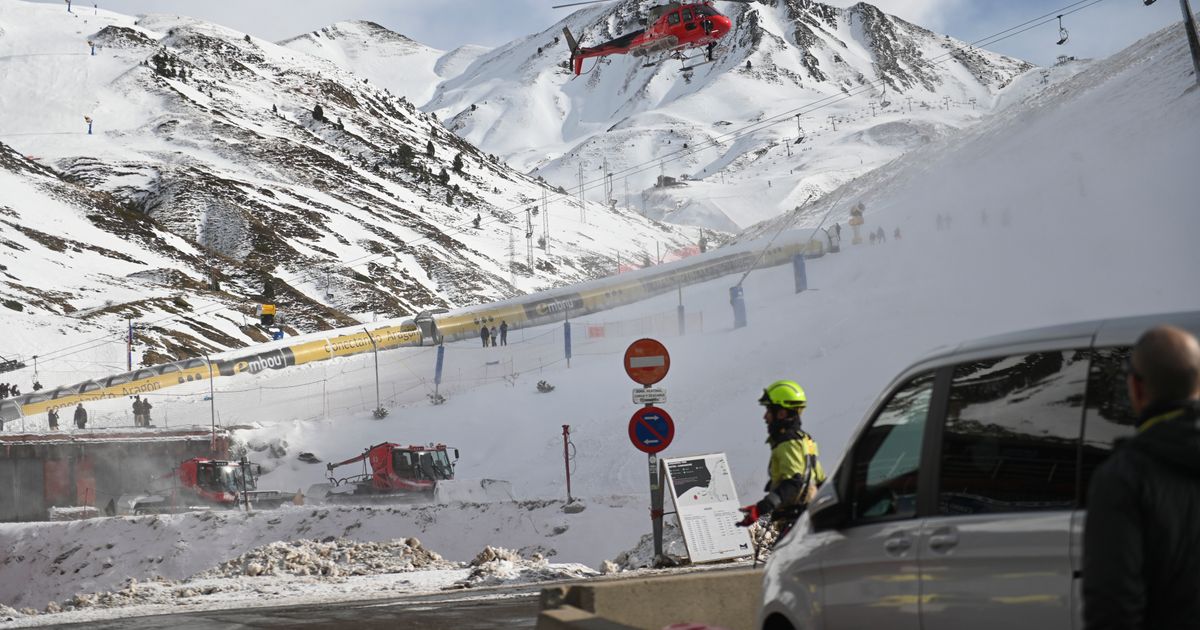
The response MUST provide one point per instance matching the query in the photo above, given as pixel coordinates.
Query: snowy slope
(210, 135)
(403, 66)
(1090, 201)
(850, 74)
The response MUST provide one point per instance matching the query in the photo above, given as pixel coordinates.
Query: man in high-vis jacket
(794, 468)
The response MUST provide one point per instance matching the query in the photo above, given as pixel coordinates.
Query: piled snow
(495, 566)
(641, 556)
(1074, 206)
(330, 558)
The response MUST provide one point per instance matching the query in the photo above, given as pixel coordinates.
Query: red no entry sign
(651, 429)
(647, 361)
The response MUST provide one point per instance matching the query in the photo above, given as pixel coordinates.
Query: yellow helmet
(786, 394)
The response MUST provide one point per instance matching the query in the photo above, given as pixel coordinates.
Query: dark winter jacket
(1142, 536)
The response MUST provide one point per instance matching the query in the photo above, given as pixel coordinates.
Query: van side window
(1011, 438)
(887, 457)
(1109, 416)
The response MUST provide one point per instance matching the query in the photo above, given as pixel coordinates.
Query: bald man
(1141, 551)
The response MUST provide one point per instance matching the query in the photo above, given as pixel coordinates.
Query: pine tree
(429, 149)
(404, 155)
(318, 112)
(443, 176)
(458, 163)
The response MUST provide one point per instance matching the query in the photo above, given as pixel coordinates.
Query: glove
(751, 512)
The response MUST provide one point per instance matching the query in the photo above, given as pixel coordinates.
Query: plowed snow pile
(310, 570)
(331, 558)
(494, 566)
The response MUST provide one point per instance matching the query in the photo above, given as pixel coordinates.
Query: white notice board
(706, 503)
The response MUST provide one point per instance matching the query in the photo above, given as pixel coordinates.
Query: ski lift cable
(644, 166)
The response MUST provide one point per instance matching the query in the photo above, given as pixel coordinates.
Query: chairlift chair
(1063, 35)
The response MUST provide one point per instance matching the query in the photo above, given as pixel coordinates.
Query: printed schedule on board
(706, 503)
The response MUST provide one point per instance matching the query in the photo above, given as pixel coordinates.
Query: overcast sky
(1096, 31)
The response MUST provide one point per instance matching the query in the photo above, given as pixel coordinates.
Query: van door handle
(897, 545)
(943, 539)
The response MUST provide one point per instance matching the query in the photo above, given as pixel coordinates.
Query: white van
(959, 503)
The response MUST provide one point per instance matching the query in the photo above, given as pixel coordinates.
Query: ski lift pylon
(1063, 35)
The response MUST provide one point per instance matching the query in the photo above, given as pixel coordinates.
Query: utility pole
(582, 202)
(833, 121)
(626, 178)
(545, 222)
(909, 99)
(607, 182)
(799, 131)
(1189, 25)
(512, 265)
(973, 100)
(529, 236)
(379, 413)
(872, 104)
(946, 102)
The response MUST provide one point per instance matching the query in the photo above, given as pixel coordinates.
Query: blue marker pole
(567, 341)
(800, 272)
(437, 370)
(737, 300)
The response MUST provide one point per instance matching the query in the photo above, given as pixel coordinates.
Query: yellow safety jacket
(791, 460)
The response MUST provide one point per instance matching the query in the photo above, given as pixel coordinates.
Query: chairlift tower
(582, 200)
(512, 252)
(529, 237)
(545, 222)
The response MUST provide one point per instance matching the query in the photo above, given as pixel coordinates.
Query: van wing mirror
(455, 453)
(827, 511)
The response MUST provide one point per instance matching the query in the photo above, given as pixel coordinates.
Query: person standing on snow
(1141, 546)
(503, 332)
(795, 472)
(484, 335)
(52, 419)
(80, 416)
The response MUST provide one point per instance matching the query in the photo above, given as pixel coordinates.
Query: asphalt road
(464, 610)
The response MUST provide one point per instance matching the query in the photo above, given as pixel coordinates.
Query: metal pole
(682, 317)
(656, 505)
(567, 458)
(379, 412)
(212, 398)
(129, 346)
(1189, 25)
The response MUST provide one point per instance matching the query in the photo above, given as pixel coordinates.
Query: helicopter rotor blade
(575, 4)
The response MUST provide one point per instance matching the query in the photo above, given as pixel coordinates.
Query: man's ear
(1137, 393)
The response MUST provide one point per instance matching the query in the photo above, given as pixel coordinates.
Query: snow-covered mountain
(257, 162)
(1074, 204)
(866, 87)
(403, 66)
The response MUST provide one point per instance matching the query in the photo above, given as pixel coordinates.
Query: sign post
(651, 428)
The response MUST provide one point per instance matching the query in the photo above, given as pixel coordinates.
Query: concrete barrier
(719, 598)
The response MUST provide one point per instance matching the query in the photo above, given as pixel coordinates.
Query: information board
(706, 503)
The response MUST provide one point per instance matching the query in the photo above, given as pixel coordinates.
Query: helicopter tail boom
(576, 59)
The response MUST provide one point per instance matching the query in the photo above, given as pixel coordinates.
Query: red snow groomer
(202, 483)
(405, 474)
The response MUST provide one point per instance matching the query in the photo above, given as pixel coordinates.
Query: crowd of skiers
(489, 335)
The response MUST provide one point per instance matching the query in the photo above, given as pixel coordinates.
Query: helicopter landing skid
(694, 66)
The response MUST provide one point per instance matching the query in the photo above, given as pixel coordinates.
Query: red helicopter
(672, 27)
